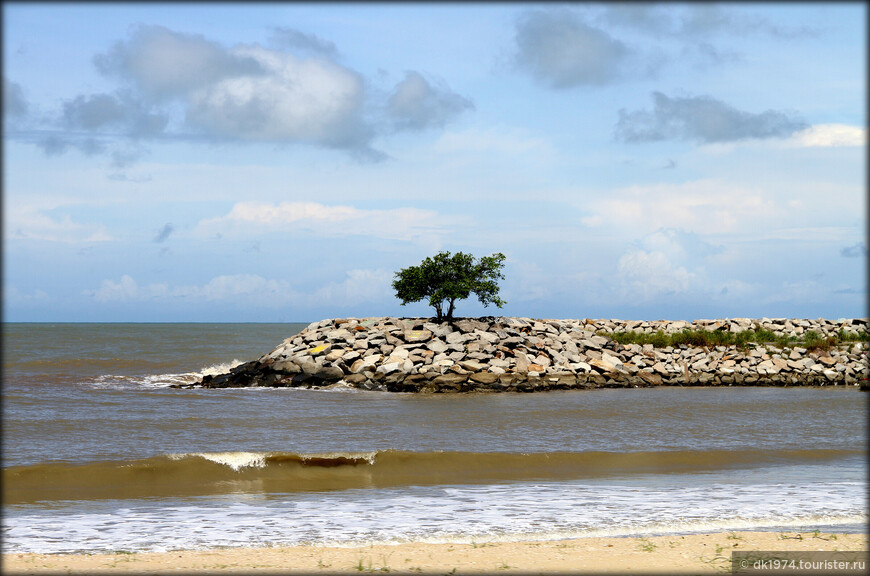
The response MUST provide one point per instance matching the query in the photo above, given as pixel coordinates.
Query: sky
(281, 162)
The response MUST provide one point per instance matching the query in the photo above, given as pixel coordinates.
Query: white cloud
(702, 119)
(665, 262)
(416, 104)
(358, 287)
(815, 136)
(165, 63)
(801, 291)
(828, 136)
(235, 286)
(124, 290)
(288, 212)
(735, 290)
(30, 222)
(560, 50)
(311, 100)
(828, 234)
(177, 86)
(645, 275)
(298, 40)
(242, 93)
(255, 217)
(678, 245)
(527, 282)
(13, 296)
(220, 288)
(503, 141)
(701, 206)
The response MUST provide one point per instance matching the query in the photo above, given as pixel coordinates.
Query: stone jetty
(524, 354)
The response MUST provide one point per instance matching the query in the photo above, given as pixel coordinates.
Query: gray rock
(527, 354)
(307, 365)
(417, 335)
(340, 335)
(582, 367)
(350, 356)
(450, 379)
(388, 367)
(329, 373)
(400, 353)
(472, 366)
(488, 336)
(523, 362)
(602, 366)
(358, 366)
(457, 338)
(438, 330)
(484, 377)
(437, 346)
(319, 349)
(334, 355)
(286, 366)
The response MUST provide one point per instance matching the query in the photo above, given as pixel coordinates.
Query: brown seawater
(99, 453)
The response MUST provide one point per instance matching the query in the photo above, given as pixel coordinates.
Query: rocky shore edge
(523, 354)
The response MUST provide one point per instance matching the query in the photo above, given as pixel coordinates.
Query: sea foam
(507, 512)
(235, 460)
(109, 381)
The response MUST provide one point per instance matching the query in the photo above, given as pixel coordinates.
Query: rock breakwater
(524, 354)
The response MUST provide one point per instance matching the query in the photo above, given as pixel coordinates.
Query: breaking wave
(214, 473)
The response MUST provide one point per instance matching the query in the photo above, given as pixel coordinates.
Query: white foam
(110, 381)
(661, 529)
(235, 460)
(341, 386)
(508, 512)
(222, 368)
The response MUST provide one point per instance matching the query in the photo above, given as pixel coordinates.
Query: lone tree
(447, 278)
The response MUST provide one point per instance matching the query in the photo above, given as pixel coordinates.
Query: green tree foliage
(447, 278)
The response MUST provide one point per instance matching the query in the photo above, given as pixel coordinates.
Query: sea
(100, 454)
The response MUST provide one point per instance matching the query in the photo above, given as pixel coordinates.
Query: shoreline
(687, 553)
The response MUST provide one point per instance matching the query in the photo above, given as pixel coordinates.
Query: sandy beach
(681, 554)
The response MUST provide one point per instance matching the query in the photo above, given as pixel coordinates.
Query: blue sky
(279, 162)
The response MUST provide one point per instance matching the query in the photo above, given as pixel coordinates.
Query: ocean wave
(239, 460)
(114, 381)
(211, 473)
(235, 460)
(219, 368)
(151, 381)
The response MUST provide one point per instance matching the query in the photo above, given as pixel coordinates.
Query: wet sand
(674, 554)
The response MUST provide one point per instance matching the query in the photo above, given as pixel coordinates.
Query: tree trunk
(450, 311)
(440, 315)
